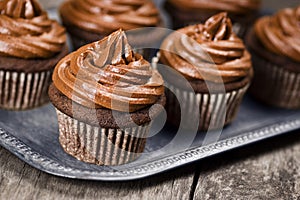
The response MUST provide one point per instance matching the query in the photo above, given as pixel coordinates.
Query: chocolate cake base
(277, 78)
(13, 64)
(201, 104)
(101, 146)
(203, 111)
(101, 136)
(103, 117)
(24, 83)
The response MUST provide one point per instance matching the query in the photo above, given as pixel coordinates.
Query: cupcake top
(280, 33)
(106, 16)
(27, 32)
(207, 52)
(232, 6)
(108, 74)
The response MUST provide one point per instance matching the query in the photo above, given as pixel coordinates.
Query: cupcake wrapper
(21, 91)
(275, 85)
(211, 107)
(101, 146)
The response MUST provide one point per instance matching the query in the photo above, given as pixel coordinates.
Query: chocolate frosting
(207, 51)
(108, 74)
(106, 16)
(27, 32)
(232, 6)
(280, 33)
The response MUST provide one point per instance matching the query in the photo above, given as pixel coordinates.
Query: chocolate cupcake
(207, 70)
(88, 21)
(242, 13)
(106, 97)
(274, 43)
(30, 46)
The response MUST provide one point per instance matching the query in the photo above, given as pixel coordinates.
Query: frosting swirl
(232, 6)
(108, 74)
(280, 33)
(27, 32)
(207, 51)
(106, 16)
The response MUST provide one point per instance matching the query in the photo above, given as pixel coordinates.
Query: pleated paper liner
(20, 91)
(101, 146)
(275, 85)
(212, 107)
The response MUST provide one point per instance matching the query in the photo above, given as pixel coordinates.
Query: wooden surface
(266, 170)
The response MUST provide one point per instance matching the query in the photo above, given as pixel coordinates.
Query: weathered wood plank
(268, 170)
(20, 181)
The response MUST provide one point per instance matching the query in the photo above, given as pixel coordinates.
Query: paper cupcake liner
(275, 85)
(21, 91)
(101, 146)
(211, 107)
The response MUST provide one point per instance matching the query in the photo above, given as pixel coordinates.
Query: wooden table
(265, 170)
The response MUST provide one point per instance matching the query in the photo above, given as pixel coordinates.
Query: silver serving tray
(33, 137)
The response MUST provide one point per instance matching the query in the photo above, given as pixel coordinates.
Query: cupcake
(274, 43)
(211, 60)
(30, 46)
(106, 96)
(184, 13)
(88, 21)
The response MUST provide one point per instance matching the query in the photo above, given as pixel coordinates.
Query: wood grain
(267, 170)
(20, 181)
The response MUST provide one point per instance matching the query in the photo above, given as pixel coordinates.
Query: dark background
(267, 4)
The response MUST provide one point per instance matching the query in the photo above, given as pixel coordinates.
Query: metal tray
(33, 137)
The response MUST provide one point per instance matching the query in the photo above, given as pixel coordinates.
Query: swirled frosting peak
(108, 74)
(106, 16)
(207, 51)
(27, 32)
(218, 27)
(26, 9)
(280, 33)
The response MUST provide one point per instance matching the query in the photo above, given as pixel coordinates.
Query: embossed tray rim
(43, 163)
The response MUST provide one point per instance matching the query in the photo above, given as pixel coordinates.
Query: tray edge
(45, 164)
